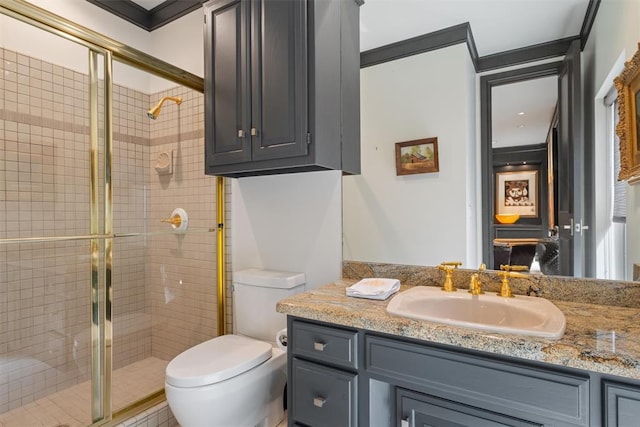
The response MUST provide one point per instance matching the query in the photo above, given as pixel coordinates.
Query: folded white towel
(375, 288)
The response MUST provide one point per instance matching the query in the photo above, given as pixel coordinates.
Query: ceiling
(497, 25)
(494, 27)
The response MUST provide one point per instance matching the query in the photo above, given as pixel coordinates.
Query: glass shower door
(46, 242)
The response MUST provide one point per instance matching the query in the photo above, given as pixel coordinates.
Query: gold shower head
(155, 111)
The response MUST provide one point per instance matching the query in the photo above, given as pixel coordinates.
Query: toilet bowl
(237, 380)
(229, 381)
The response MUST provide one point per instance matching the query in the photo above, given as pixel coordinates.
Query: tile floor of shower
(71, 407)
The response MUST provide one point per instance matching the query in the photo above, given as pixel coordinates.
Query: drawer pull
(319, 346)
(404, 422)
(319, 402)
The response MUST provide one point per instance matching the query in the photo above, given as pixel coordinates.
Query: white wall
(288, 222)
(415, 219)
(615, 34)
(179, 43)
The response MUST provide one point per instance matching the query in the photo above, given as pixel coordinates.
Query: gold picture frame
(628, 128)
(417, 156)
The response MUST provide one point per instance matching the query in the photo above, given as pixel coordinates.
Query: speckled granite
(599, 338)
(557, 288)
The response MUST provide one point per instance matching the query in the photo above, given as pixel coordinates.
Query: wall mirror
(369, 237)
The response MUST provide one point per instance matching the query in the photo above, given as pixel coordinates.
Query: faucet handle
(448, 268)
(506, 272)
(452, 264)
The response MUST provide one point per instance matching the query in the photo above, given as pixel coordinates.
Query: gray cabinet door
(428, 411)
(227, 121)
(622, 404)
(279, 79)
(322, 396)
(256, 80)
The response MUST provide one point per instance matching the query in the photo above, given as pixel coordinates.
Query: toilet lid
(216, 360)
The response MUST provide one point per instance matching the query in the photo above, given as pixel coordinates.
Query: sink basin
(519, 315)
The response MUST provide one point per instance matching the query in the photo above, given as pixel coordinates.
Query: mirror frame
(488, 82)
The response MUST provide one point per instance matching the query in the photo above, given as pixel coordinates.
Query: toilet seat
(216, 360)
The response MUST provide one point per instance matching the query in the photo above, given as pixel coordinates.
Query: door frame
(487, 83)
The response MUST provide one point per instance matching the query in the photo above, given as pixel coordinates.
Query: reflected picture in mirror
(516, 193)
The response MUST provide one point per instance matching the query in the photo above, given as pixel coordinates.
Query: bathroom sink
(518, 315)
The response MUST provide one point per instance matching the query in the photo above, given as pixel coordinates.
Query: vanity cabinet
(498, 391)
(340, 376)
(282, 86)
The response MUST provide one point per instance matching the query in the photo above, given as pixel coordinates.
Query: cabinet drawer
(323, 396)
(622, 404)
(554, 397)
(329, 345)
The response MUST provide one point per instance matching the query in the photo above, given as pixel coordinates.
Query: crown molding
(149, 20)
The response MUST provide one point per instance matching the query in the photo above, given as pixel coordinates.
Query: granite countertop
(599, 338)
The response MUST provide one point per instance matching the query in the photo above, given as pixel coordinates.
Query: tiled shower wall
(182, 276)
(164, 287)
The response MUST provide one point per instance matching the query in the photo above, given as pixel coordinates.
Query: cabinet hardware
(319, 402)
(319, 346)
(240, 133)
(254, 132)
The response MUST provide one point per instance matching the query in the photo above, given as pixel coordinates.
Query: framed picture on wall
(517, 193)
(418, 156)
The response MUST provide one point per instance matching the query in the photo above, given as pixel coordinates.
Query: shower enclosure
(97, 294)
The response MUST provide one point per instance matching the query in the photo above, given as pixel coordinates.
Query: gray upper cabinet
(282, 86)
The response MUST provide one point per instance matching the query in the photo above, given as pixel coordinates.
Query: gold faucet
(475, 287)
(507, 271)
(448, 268)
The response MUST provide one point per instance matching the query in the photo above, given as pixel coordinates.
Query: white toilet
(237, 380)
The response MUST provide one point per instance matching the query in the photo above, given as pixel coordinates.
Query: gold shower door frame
(101, 232)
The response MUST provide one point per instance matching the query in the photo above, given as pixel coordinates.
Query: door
(279, 79)
(570, 174)
(226, 89)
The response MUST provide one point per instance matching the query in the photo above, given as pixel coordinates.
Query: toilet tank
(255, 294)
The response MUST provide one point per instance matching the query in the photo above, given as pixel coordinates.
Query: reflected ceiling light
(521, 113)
